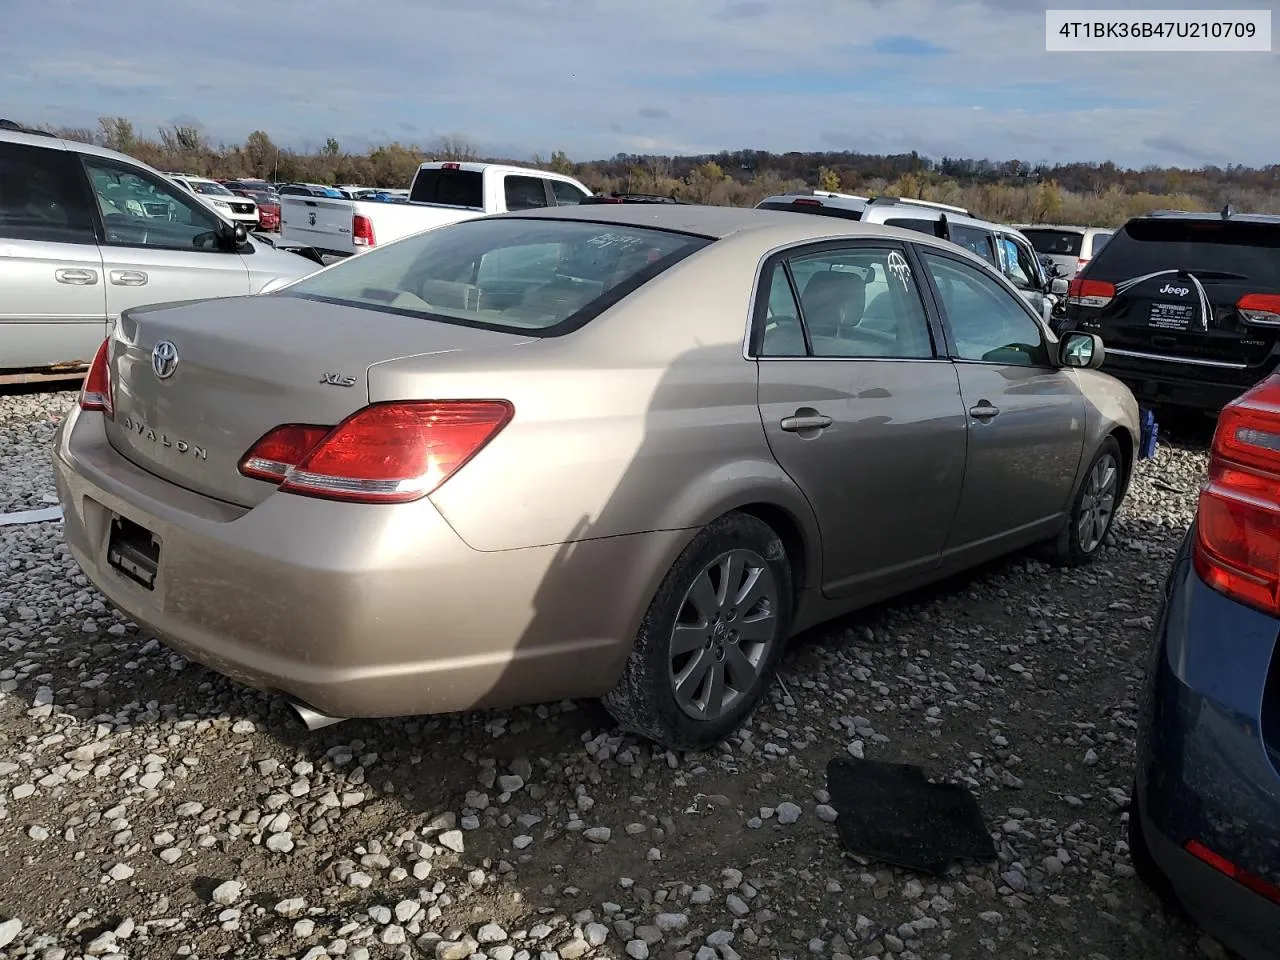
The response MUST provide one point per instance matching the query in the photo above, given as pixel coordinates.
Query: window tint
(525, 193)
(974, 240)
(455, 188)
(856, 302)
(1232, 249)
(42, 197)
(139, 210)
(1062, 243)
(567, 195)
(1100, 241)
(919, 226)
(989, 322)
(503, 274)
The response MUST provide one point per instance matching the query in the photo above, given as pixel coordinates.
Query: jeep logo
(1179, 291)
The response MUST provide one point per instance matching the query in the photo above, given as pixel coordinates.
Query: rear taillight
(1090, 293)
(1237, 546)
(1260, 308)
(362, 231)
(384, 453)
(806, 202)
(280, 450)
(96, 392)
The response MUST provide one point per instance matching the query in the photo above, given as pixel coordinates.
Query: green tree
(260, 153)
(828, 180)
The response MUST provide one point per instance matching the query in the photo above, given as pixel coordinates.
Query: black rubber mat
(891, 812)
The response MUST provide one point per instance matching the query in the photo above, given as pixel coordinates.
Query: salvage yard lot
(151, 808)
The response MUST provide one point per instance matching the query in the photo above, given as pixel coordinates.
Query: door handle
(79, 278)
(128, 278)
(983, 410)
(802, 422)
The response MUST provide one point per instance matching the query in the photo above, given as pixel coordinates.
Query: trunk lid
(1177, 286)
(245, 365)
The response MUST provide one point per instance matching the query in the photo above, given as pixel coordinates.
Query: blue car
(1204, 826)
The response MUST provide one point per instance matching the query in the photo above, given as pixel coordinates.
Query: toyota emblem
(164, 359)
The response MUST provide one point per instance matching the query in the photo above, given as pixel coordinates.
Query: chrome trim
(1138, 355)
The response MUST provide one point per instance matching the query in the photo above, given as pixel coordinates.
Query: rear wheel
(1093, 509)
(709, 645)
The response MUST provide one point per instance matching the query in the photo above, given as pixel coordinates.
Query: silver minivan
(87, 232)
(1070, 248)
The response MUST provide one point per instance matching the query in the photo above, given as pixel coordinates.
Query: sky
(594, 78)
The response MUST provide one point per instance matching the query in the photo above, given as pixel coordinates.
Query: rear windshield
(541, 277)
(820, 209)
(1063, 243)
(1213, 249)
(457, 188)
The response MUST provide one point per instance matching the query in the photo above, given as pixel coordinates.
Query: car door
(1025, 415)
(52, 305)
(159, 243)
(859, 408)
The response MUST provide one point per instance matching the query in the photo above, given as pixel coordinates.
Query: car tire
(685, 684)
(1099, 497)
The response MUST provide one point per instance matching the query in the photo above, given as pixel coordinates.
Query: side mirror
(1059, 286)
(1083, 351)
(232, 236)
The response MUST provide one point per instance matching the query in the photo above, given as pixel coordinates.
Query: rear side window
(1061, 243)
(539, 277)
(1099, 241)
(455, 188)
(1215, 249)
(919, 226)
(42, 196)
(974, 240)
(525, 193)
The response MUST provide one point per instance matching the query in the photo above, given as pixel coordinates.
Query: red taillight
(96, 392)
(1237, 548)
(1224, 866)
(450, 166)
(1090, 293)
(384, 453)
(362, 231)
(280, 450)
(806, 202)
(1261, 308)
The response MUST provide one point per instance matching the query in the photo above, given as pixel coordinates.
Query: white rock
(227, 892)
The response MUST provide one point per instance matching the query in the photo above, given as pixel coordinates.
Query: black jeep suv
(1187, 304)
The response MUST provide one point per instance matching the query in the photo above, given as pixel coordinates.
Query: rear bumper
(1204, 770)
(1183, 385)
(358, 611)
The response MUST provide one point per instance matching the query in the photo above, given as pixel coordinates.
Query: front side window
(140, 210)
(857, 302)
(525, 193)
(544, 277)
(41, 197)
(988, 321)
(567, 195)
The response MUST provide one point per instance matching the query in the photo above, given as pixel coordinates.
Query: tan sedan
(615, 451)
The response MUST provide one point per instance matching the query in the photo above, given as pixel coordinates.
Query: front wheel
(1094, 508)
(709, 645)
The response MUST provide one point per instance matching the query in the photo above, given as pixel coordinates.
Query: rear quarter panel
(646, 419)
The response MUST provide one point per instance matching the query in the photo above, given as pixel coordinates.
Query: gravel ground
(150, 808)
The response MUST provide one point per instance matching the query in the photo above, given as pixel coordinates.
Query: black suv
(1187, 304)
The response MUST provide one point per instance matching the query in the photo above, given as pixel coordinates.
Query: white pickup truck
(442, 193)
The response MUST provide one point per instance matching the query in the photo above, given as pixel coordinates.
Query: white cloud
(604, 76)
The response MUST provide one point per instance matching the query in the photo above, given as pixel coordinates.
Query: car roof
(1210, 216)
(1062, 227)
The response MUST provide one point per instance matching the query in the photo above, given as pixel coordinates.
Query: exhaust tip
(314, 719)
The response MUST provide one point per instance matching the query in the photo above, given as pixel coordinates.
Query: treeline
(1012, 191)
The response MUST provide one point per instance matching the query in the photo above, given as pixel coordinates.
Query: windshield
(1231, 249)
(211, 189)
(531, 276)
(1062, 243)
